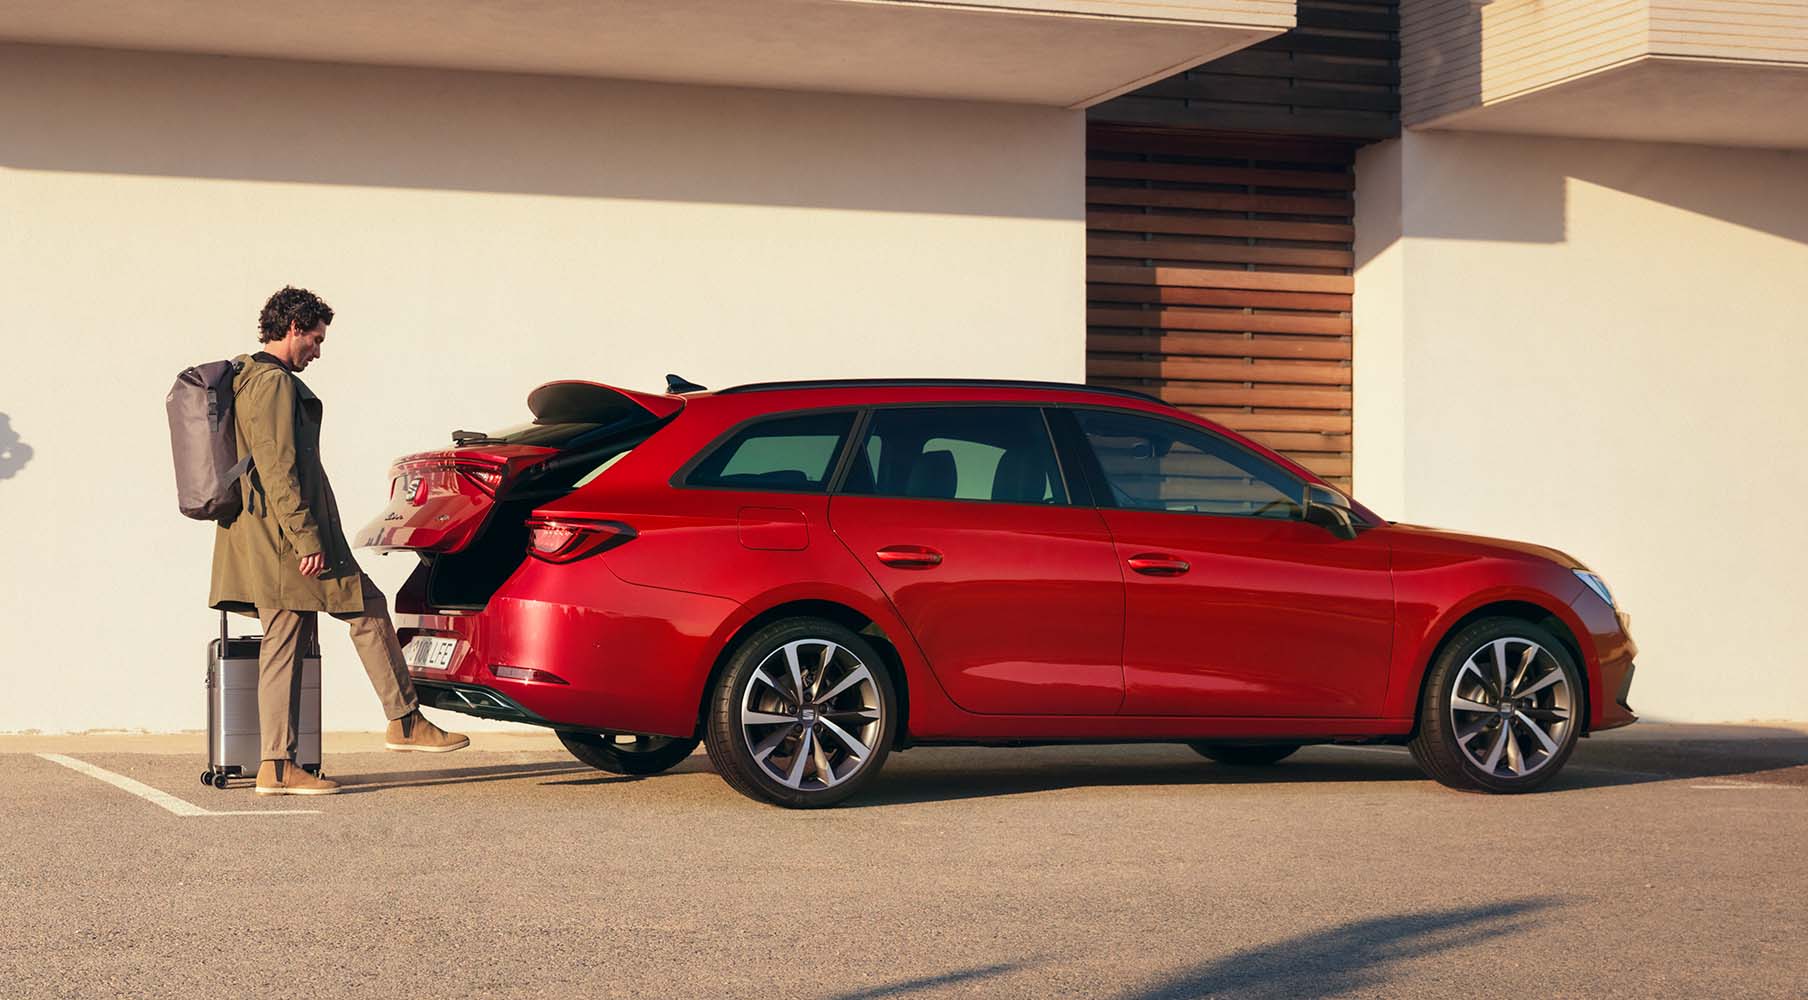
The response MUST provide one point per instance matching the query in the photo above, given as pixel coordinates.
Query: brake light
(483, 475)
(564, 540)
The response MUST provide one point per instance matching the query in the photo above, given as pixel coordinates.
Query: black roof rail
(888, 383)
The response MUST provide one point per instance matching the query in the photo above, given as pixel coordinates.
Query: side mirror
(1330, 510)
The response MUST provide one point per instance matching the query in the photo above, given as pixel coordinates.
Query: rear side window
(998, 453)
(793, 453)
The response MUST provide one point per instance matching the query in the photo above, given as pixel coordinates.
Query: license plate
(430, 652)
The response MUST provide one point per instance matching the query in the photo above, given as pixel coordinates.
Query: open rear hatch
(439, 501)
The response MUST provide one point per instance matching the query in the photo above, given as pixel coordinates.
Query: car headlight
(1596, 584)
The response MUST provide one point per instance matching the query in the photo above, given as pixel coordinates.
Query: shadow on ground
(386, 780)
(1356, 957)
(1666, 752)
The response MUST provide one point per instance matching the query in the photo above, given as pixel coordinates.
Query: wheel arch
(837, 612)
(1523, 610)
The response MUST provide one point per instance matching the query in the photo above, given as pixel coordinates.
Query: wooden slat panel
(1161, 295)
(1217, 201)
(1265, 150)
(1201, 225)
(1245, 176)
(1215, 277)
(1219, 345)
(1219, 319)
(1248, 422)
(1287, 443)
(1326, 465)
(1217, 253)
(1220, 370)
(1261, 349)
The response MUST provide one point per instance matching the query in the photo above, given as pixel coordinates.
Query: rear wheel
(803, 714)
(1245, 756)
(1501, 710)
(628, 753)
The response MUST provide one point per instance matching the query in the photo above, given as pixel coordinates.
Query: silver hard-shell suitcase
(233, 745)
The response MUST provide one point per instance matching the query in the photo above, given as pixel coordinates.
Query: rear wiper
(474, 437)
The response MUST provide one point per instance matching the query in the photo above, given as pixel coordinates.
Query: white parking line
(1738, 786)
(162, 798)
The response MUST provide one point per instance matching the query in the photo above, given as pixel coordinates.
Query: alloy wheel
(1511, 708)
(811, 714)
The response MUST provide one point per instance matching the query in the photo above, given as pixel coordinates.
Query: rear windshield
(563, 436)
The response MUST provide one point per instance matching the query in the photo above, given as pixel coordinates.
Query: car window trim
(856, 443)
(1104, 498)
(680, 480)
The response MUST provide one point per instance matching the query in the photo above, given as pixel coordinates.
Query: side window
(998, 453)
(1153, 464)
(793, 453)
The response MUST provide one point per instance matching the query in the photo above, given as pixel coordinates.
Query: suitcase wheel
(219, 780)
(207, 777)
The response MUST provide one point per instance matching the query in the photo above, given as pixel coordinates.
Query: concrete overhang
(1695, 71)
(1659, 99)
(1064, 53)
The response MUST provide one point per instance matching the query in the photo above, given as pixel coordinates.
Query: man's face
(304, 346)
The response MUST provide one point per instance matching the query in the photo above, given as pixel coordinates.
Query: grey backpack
(204, 440)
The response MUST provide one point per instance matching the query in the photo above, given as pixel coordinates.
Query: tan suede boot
(414, 732)
(282, 777)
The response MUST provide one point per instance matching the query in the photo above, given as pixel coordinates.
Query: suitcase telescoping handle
(313, 638)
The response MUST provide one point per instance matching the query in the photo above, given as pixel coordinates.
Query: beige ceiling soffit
(1494, 102)
(1179, 67)
(1147, 13)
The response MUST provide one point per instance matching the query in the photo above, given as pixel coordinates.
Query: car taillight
(483, 475)
(564, 540)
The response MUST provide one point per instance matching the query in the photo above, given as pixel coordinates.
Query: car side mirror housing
(1330, 510)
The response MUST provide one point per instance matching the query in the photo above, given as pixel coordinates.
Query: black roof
(964, 383)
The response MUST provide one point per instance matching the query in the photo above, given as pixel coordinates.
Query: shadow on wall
(236, 118)
(1356, 957)
(1514, 188)
(14, 453)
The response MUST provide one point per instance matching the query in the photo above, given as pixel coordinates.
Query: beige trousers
(289, 635)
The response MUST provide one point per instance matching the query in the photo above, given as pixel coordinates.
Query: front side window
(1154, 464)
(793, 454)
(996, 453)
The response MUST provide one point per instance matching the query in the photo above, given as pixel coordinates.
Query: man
(285, 558)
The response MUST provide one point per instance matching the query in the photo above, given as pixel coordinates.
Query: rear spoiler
(578, 402)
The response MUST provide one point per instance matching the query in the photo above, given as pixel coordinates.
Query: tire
(628, 753)
(1245, 756)
(806, 753)
(1475, 737)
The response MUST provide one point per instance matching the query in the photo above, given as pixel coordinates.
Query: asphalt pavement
(1666, 861)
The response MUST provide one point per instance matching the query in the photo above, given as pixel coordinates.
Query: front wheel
(1501, 710)
(803, 715)
(628, 753)
(1245, 755)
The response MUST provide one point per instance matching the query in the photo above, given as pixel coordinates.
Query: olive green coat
(289, 507)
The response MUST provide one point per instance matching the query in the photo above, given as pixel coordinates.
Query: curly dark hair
(291, 305)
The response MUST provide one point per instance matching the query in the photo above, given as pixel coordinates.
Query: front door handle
(1158, 564)
(910, 556)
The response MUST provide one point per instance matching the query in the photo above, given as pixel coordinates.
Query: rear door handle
(1158, 564)
(910, 556)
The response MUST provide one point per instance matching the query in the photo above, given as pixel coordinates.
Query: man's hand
(314, 565)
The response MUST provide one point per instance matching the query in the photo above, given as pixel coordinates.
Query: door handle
(910, 556)
(1158, 564)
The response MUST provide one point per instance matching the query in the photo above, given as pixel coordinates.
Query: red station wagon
(806, 576)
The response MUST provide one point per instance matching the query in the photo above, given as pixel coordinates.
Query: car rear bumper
(614, 655)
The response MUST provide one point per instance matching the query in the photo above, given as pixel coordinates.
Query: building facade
(1512, 269)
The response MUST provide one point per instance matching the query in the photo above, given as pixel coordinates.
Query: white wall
(1601, 346)
(478, 234)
